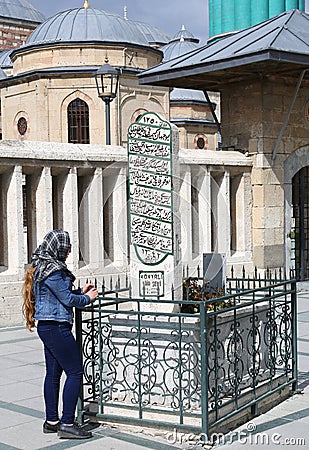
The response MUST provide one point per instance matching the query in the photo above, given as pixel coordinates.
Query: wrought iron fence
(236, 282)
(192, 371)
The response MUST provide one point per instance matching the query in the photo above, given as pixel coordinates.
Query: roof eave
(48, 44)
(63, 72)
(171, 76)
(22, 20)
(193, 122)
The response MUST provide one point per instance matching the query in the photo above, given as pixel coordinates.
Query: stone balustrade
(83, 189)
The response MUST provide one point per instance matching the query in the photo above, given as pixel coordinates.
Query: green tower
(232, 15)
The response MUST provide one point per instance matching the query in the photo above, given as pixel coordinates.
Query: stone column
(95, 235)
(16, 248)
(91, 239)
(246, 241)
(186, 214)
(223, 215)
(268, 214)
(204, 207)
(70, 215)
(119, 214)
(39, 207)
(44, 204)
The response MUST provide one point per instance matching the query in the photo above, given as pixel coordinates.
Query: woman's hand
(92, 294)
(87, 287)
(91, 291)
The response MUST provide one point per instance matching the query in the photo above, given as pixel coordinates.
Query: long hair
(28, 307)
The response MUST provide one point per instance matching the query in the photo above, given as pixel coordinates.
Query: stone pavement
(22, 409)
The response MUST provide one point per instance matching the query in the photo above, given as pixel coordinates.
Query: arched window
(78, 122)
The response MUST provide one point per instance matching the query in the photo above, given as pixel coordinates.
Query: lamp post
(107, 80)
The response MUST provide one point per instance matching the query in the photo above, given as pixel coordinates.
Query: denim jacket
(54, 298)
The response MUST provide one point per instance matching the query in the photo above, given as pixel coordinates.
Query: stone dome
(185, 35)
(183, 42)
(2, 74)
(153, 35)
(20, 9)
(93, 25)
(5, 60)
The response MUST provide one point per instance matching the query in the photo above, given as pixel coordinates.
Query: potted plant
(195, 290)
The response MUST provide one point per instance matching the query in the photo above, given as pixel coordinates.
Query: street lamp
(107, 80)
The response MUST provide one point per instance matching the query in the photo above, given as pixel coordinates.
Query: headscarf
(50, 256)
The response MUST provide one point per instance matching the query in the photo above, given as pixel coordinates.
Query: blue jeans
(61, 355)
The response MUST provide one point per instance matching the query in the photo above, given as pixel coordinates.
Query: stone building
(190, 111)
(53, 61)
(245, 202)
(17, 21)
(56, 172)
(58, 62)
(262, 76)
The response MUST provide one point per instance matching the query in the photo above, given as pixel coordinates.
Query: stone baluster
(186, 213)
(44, 204)
(91, 222)
(15, 233)
(70, 215)
(120, 214)
(223, 215)
(204, 208)
(243, 214)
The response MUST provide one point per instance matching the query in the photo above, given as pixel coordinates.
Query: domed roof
(5, 60)
(153, 35)
(89, 24)
(20, 9)
(2, 74)
(185, 35)
(183, 42)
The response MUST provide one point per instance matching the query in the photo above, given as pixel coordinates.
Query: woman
(49, 299)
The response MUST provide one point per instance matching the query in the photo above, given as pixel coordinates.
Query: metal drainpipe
(287, 117)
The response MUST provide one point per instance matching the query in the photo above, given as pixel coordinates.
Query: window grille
(78, 122)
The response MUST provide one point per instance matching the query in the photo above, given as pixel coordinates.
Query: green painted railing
(188, 371)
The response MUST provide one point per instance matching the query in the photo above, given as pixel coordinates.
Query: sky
(167, 15)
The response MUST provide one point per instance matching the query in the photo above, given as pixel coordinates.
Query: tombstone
(214, 269)
(153, 205)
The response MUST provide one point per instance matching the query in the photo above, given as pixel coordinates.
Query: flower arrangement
(194, 292)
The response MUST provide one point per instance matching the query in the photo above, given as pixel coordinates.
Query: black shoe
(73, 432)
(49, 428)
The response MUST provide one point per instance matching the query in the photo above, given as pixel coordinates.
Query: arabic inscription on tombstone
(150, 185)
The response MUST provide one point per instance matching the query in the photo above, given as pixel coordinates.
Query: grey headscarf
(50, 256)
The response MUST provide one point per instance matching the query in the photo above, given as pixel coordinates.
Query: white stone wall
(256, 118)
(44, 105)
